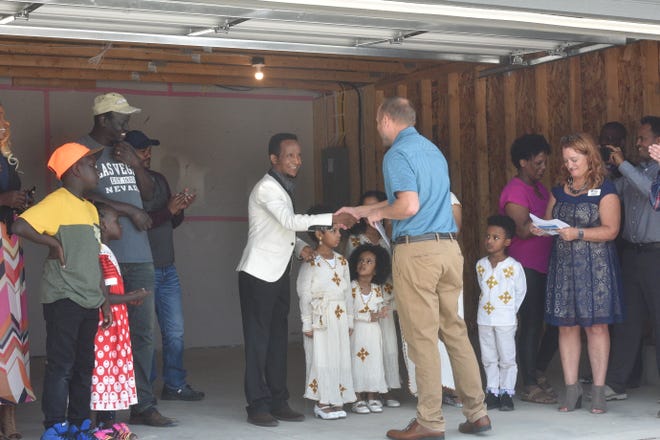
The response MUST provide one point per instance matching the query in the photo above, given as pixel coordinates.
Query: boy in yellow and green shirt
(71, 289)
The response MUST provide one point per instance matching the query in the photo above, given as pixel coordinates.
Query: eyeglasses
(366, 261)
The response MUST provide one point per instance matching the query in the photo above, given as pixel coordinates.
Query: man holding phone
(166, 212)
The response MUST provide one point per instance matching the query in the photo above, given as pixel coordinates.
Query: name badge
(593, 192)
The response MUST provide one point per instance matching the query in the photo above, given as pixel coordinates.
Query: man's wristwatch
(581, 234)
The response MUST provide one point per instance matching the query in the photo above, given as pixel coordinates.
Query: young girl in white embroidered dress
(326, 307)
(369, 266)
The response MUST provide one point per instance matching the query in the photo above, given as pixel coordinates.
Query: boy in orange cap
(71, 290)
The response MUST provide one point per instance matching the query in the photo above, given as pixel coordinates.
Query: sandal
(536, 394)
(543, 383)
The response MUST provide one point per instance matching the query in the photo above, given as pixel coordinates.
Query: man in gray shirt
(640, 258)
(123, 184)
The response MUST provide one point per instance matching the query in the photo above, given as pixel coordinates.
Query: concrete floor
(218, 372)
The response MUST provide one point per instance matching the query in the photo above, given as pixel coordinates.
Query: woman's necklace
(573, 190)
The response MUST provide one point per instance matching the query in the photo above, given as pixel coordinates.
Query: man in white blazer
(263, 281)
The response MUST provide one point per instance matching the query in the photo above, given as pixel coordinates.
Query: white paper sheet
(381, 230)
(549, 226)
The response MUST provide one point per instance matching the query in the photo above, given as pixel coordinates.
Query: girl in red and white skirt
(113, 379)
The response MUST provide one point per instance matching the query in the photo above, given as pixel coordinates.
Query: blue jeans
(169, 310)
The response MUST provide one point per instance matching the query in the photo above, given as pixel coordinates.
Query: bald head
(398, 110)
(394, 114)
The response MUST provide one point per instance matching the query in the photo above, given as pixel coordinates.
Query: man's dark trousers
(265, 312)
(641, 279)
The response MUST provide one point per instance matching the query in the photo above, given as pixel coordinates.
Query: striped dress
(15, 386)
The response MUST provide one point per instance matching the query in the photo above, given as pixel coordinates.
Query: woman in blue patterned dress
(584, 284)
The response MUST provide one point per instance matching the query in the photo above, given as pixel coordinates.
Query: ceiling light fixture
(258, 63)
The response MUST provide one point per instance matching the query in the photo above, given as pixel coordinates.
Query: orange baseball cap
(66, 155)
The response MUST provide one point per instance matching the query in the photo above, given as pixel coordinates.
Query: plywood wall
(474, 121)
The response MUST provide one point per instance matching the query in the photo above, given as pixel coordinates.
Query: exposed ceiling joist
(304, 40)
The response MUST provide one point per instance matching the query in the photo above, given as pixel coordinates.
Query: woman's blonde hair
(5, 148)
(584, 144)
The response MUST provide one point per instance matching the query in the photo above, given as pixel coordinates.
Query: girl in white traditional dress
(363, 233)
(326, 307)
(370, 267)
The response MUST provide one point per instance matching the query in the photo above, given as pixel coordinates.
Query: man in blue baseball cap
(166, 212)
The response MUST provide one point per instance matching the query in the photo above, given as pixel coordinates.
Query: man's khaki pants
(428, 278)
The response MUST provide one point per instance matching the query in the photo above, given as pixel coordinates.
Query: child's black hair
(314, 210)
(361, 226)
(383, 265)
(505, 222)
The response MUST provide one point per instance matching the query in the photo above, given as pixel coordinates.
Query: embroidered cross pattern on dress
(338, 312)
(480, 269)
(488, 307)
(492, 282)
(508, 272)
(362, 354)
(314, 385)
(505, 297)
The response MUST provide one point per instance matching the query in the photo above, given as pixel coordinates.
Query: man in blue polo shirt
(428, 271)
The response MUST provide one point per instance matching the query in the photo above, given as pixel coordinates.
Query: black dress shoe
(186, 393)
(286, 414)
(262, 419)
(480, 425)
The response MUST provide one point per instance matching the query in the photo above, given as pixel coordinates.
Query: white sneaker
(321, 414)
(392, 403)
(360, 407)
(375, 406)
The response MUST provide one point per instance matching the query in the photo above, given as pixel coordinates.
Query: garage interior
(480, 74)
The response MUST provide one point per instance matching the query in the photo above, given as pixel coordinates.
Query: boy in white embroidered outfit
(503, 287)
